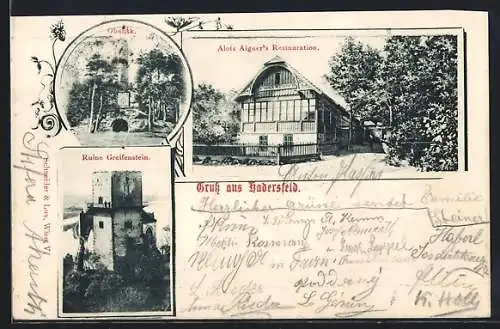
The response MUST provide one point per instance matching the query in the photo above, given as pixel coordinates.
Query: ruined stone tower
(115, 220)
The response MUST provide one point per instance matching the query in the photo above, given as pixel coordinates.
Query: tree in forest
(354, 72)
(215, 116)
(159, 86)
(102, 77)
(78, 104)
(409, 86)
(91, 98)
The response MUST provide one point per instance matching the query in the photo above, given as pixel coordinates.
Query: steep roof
(275, 60)
(318, 84)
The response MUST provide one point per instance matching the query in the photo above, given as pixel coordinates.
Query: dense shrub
(215, 116)
(146, 287)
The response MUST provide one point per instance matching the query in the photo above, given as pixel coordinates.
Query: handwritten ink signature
(214, 261)
(35, 299)
(32, 152)
(242, 305)
(450, 288)
(346, 171)
(430, 276)
(247, 304)
(326, 289)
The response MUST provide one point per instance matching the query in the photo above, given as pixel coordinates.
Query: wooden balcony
(279, 127)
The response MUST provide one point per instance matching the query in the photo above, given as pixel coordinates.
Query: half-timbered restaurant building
(280, 106)
(286, 117)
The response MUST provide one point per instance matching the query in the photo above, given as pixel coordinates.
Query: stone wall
(127, 189)
(127, 228)
(103, 239)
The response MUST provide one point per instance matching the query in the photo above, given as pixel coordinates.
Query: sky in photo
(232, 70)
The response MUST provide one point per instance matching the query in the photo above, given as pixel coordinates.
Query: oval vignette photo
(123, 83)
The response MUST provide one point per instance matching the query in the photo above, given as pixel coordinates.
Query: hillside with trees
(157, 90)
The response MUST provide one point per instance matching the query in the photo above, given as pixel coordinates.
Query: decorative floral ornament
(45, 108)
(57, 31)
(181, 24)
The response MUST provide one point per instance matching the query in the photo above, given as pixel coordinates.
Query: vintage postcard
(269, 166)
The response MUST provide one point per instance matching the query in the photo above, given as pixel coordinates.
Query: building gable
(289, 79)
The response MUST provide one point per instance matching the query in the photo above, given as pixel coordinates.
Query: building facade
(115, 222)
(280, 106)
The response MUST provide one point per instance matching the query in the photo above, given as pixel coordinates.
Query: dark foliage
(160, 86)
(233, 161)
(215, 116)
(93, 97)
(411, 88)
(78, 105)
(141, 282)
